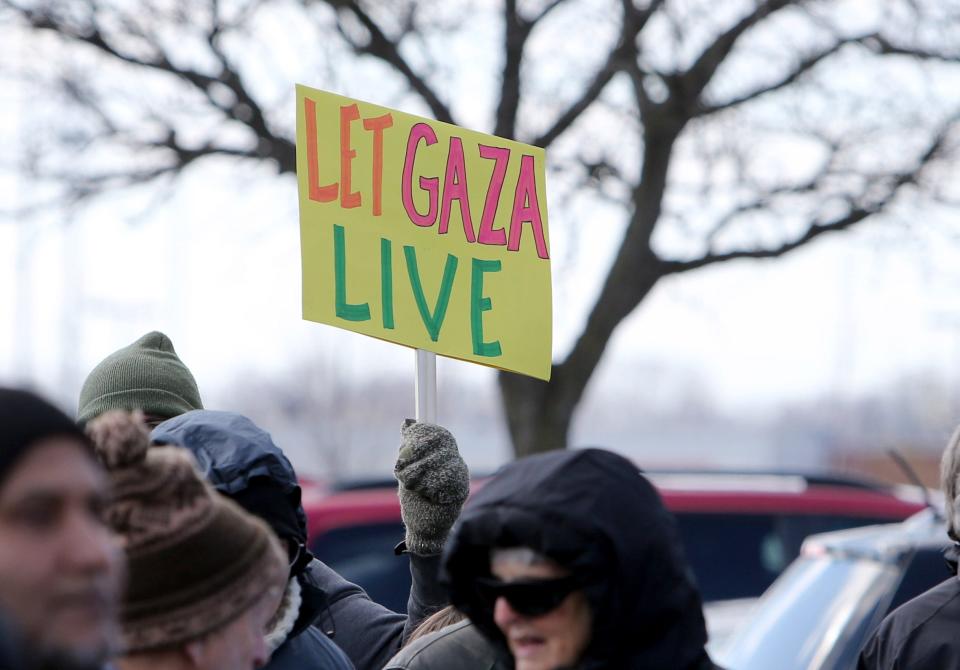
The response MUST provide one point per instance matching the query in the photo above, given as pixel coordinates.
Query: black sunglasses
(529, 598)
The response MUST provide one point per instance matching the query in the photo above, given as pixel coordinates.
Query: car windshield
(756, 547)
(814, 617)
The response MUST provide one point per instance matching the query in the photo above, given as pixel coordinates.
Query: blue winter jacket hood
(231, 451)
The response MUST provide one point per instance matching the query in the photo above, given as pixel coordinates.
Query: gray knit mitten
(434, 483)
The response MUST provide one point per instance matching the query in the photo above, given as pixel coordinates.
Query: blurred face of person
(60, 567)
(241, 644)
(151, 421)
(555, 639)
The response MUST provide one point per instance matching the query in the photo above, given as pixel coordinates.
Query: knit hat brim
(146, 375)
(152, 401)
(165, 614)
(27, 420)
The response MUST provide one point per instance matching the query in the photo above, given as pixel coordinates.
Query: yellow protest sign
(423, 233)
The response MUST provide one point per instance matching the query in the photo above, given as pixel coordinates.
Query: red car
(740, 530)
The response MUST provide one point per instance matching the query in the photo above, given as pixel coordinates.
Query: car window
(820, 607)
(364, 555)
(925, 569)
(740, 555)
(732, 555)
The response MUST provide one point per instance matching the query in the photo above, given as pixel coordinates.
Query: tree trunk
(535, 420)
(539, 413)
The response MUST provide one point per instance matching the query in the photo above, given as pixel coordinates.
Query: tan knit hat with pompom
(196, 560)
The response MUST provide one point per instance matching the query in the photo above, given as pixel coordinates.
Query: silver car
(820, 611)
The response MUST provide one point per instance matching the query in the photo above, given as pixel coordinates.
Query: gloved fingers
(429, 464)
(419, 440)
(447, 486)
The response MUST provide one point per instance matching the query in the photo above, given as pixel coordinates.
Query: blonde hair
(523, 555)
(950, 483)
(448, 616)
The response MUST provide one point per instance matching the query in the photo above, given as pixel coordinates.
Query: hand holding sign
(423, 233)
(434, 483)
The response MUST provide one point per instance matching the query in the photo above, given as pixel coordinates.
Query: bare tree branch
(688, 86)
(620, 58)
(86, 186)
(804, 66)
(853, 217)
(895, 182)
(385, 49)
(875, 42)
(516, 31)
(765, 199)
(244, 109)
(549, 7)
(880, 45)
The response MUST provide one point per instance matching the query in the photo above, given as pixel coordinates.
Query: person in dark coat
(242, 462)
(570, 560)
(149, 376)
(60, 567)
(921, 634)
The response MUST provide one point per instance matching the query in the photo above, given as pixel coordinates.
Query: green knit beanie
(146, 375)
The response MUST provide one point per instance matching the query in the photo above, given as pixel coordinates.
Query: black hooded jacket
(592, 512)
(241, 461)
(921, 634)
